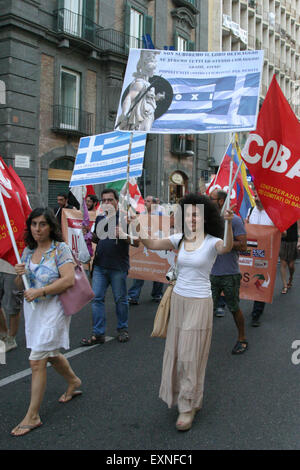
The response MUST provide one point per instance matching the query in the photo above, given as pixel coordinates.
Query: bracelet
(44, 293)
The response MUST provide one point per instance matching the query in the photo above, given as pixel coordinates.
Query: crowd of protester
(208, 281)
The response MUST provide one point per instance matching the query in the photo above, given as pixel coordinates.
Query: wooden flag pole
(232, 184)
(13, 241)
(227, 201)
(128, 172)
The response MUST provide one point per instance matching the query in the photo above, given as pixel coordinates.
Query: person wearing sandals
(225, 274)
(191, 312)
(288, 254)
(110, 267)
(257, 215)
(48, 265)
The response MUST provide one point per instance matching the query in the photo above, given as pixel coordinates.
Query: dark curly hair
(213, 221)
(55, 231)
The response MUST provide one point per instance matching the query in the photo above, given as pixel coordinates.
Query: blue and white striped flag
(212, 105)
(103, 158)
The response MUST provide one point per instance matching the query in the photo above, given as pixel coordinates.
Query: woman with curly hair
(48, 264)
(191, 313)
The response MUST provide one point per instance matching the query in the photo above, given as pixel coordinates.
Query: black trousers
(258, 308)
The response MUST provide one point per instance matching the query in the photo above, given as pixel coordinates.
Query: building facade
(62, 64)
(271, 25)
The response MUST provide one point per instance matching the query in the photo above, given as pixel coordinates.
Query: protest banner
(271, 154)
(71, 224)
(258, 264)
(180, 92)
(147, 264)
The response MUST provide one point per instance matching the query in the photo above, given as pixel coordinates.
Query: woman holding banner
(48, 264)
(191, 314)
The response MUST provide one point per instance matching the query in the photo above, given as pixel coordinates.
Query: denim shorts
(10, 296)
(230, 286)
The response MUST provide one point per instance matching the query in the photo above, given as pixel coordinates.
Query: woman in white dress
(48, 264)
(191, 312)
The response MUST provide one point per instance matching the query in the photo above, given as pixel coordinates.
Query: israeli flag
(103, 158)
(222, 104)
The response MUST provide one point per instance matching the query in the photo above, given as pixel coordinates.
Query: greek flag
(228, 103)
(103, 158)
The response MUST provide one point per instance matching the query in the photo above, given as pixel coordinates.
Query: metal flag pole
(13, 241)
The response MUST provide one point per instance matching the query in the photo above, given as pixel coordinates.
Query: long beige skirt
(186, 352)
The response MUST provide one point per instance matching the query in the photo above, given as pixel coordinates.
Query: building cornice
(183, 15)
(186, 4)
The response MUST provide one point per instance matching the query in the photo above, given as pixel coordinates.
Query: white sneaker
(3, 336)
(220, 312)
(10, 343)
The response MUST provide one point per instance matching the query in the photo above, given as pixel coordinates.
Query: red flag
(271, 154)
(21, 191)
(15, 213)
(221, 180)
(89, 191)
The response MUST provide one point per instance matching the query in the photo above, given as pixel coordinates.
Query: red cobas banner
(258, 264)
(272, 155)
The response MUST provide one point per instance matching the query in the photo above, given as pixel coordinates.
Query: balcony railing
(72, 120)
(82, 27)
(116, 41)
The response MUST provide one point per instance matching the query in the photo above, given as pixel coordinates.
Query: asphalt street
(251, 401)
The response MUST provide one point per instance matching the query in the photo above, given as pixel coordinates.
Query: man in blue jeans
(110, 267)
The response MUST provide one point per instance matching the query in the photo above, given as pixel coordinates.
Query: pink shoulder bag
(80, 294)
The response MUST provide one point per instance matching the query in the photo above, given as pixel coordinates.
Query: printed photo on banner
(71, 224)
(190, 92)
(258, 264)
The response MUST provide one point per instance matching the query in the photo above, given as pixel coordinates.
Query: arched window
(178, 186)
(59, 175)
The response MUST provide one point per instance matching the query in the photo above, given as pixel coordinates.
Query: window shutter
(175, 39)
(190, 46)
(60, 15)
(88, 12)
(148, 22)
(127, 26)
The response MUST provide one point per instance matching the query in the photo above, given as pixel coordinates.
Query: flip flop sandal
(123, 337)
(68, 398)
(240, 347)
(27, 427)
(290, 283)
(93, 340)
(284, 290)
